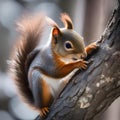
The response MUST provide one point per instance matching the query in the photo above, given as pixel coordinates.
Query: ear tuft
(67, 21)
(51, 22)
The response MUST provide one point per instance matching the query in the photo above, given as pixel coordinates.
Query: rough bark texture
(91, 91)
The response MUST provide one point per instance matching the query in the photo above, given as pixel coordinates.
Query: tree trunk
(91, 91)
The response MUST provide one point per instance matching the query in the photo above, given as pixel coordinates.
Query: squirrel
(40, 74)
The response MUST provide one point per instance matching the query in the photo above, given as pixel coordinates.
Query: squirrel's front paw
(83, 64)
(91, 47)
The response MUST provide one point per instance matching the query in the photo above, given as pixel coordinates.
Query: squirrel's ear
(67, 21)
(55, 32)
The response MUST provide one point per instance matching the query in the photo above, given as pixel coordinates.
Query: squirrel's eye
(68, 45)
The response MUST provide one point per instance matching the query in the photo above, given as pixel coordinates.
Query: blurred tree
(97, 14)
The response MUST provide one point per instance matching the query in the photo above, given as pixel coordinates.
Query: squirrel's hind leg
(40, 91)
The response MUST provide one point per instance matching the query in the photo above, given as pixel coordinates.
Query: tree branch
(91, 91)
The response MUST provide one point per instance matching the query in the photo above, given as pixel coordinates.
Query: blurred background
(89, 17)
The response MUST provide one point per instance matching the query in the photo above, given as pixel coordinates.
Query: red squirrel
(41, 74)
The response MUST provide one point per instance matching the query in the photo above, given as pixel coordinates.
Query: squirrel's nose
(84, 55)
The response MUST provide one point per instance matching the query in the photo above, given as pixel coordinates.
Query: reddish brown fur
(63, 69)
(46, 95)
(90, 47)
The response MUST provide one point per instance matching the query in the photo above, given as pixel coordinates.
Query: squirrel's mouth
(74, 59)
(78, 57)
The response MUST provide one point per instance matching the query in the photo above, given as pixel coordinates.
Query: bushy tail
(30, 30)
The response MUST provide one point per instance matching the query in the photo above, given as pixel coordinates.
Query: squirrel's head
(67, 43)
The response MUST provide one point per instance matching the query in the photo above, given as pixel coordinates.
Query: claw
(86, 62)
(46, 109)
(43, 112)
(83, 64)
(84, 67)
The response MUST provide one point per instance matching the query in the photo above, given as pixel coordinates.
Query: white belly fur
(56, 85)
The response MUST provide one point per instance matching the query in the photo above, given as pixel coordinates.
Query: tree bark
(91, 91)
